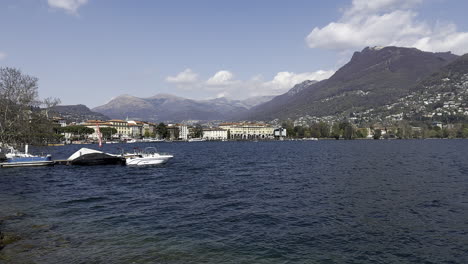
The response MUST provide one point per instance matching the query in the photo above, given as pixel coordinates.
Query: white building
(215, 134)
(183, 132)
(248, 130)
(135, 128)
(280, 132)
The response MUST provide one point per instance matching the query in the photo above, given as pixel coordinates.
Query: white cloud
(223, 83)
(221, 78)
(185, 77)
(283, 81)
(3, 55)
(387, 23)
(71, 6)
(376, 6)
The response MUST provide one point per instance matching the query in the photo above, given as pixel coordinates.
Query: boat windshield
(150, 150)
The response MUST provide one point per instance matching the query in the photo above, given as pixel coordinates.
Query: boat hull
(27, 162)
(89, 157)
(146, 161)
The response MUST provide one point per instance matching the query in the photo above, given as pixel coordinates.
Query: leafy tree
(347, 130)
(445, 133)
(162, 130)
(436, 132)
(147, 134)
(107, 132)
(464, 132)
(336, 131)
(79, 131)
(361, 133)
(176, 133)
(377, 134)
(299, 131)
(314, 131)
(289, 126)
(404, 130)
(324, 129)
(198, 131)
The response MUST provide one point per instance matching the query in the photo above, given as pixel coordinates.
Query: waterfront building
(183, 132)
(121, 126)
(280, 132)
(215, 134)
(248, 130)
(60, 121)
(173, 131)
(135, 129)
(148, 129)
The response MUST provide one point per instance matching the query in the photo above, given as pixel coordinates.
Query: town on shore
(117, 130)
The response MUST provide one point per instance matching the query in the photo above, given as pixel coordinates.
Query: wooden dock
(62, 162)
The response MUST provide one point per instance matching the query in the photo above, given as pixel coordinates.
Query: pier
(62, 162)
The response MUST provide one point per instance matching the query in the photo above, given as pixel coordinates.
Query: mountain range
(166, 107)
(76, 113)
(373, 77)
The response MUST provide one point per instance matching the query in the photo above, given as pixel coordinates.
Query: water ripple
(243, 202)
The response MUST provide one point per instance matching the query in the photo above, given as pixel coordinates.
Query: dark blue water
(246, 202)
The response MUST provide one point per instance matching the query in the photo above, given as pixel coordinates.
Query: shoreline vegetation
(397, 130)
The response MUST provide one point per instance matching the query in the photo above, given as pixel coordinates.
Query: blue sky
(88, 51)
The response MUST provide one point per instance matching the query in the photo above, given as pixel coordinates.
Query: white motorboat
(149, 156)
(152, 140)
(196, 139)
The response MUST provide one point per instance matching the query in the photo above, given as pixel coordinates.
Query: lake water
(246, 202)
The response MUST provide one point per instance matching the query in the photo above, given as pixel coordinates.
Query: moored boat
(196, 139)
(14, 158)
(149, 156)
(87, 157)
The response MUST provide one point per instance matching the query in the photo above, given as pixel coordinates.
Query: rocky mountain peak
(300, 86)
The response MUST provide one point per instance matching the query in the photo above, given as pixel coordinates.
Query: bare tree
(50, 103)
(18, 97)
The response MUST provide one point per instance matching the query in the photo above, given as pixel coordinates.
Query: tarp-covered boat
(86, 156)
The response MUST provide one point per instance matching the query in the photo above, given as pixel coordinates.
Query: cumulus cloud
(71, 6)
(185, 77)
(387, 23)
(3, 55)
(223, 83)
(376, 6)
(283, 81)
(221, 78)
